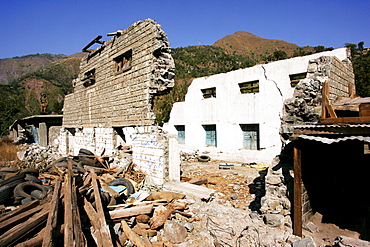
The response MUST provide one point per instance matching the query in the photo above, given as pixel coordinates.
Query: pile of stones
(36, 156)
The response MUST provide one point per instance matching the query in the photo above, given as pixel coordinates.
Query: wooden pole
(52, 218)
(297, 199)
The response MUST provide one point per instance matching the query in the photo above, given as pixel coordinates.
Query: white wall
(231, 108)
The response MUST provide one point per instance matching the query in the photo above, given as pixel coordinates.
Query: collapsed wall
(111, 104)
(304, 108)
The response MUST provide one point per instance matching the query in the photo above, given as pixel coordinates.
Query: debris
(190, 190)
(306, 242)
(226, 166)
(351, 242)
(311, 227)
(174, 232)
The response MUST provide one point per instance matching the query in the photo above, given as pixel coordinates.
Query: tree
(280, 55)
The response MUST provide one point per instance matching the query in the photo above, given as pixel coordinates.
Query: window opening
(89, 78)
(249, 87)
(123, 62)
(295, 78)
(180, 133)
(209, 93)
(250, 136)
(211, 135)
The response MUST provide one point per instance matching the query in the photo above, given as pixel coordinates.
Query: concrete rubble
(193, 215)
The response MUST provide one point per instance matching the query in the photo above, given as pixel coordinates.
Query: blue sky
(66, 26)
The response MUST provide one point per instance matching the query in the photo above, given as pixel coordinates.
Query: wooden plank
(297, 198)
(20, 210)
(104, 230)
(130, 234)
(21, 230)
(52, 218)
(128, 212)
(345, 120)
(95, 222)
(77, 228)
(19, 218)
(68, 213)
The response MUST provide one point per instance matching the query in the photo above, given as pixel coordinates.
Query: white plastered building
(236, 116)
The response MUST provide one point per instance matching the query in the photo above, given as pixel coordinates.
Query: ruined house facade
(112, 100)
(247, 115)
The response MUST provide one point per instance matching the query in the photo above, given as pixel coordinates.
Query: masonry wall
(121, 98)
(230, 109)
(112, 100)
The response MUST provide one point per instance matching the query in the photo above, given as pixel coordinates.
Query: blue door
(211, 136)
(250, 136)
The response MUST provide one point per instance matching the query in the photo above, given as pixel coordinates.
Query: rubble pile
(78, 201)
(36, 156)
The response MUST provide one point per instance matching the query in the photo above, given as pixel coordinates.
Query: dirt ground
(237, 188)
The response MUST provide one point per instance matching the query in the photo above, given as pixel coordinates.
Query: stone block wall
(305, 106)
(106, 97)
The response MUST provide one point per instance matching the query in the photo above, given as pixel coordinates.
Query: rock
(236, 187)
(293, 238)
(306, 242)
(234, 196)
(273, 179)
(174, 232)
(189, 226)
(351, 242)
(311, 227)
(274, 220)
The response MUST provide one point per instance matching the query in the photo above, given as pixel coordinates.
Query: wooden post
(52, 218)
(104, 230)
(326, 107)
(297, 199)
(68, 213)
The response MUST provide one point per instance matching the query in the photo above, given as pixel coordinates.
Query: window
(211, 137)
(295, 78)
(123, 62)
(209, 93)
(180, 133)
(89, 78)
(249, 87)
(250, 136)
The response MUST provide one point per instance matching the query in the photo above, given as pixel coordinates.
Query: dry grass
(8, 150)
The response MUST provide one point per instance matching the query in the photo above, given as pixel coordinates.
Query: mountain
(246, 43)
(14, 68)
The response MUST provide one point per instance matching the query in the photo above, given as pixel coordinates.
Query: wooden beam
(130, 234)
(20, 210)
(21, 230)
(104, 230)
(96, 40)
(326, 107)
(77, 228)
(95, 222)
(68, 213)
(128, 212)
(297, 197)
(52, 218)
(345, 120)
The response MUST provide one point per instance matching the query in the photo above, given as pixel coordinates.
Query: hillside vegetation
(53, 74)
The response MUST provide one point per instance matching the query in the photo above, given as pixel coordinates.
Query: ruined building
(247, 115)
(112, 100)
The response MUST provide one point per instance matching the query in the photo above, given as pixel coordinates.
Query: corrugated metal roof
(335, 140)
(322, 126)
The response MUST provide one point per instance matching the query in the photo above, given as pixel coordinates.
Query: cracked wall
(241, 104)
(305, 105)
